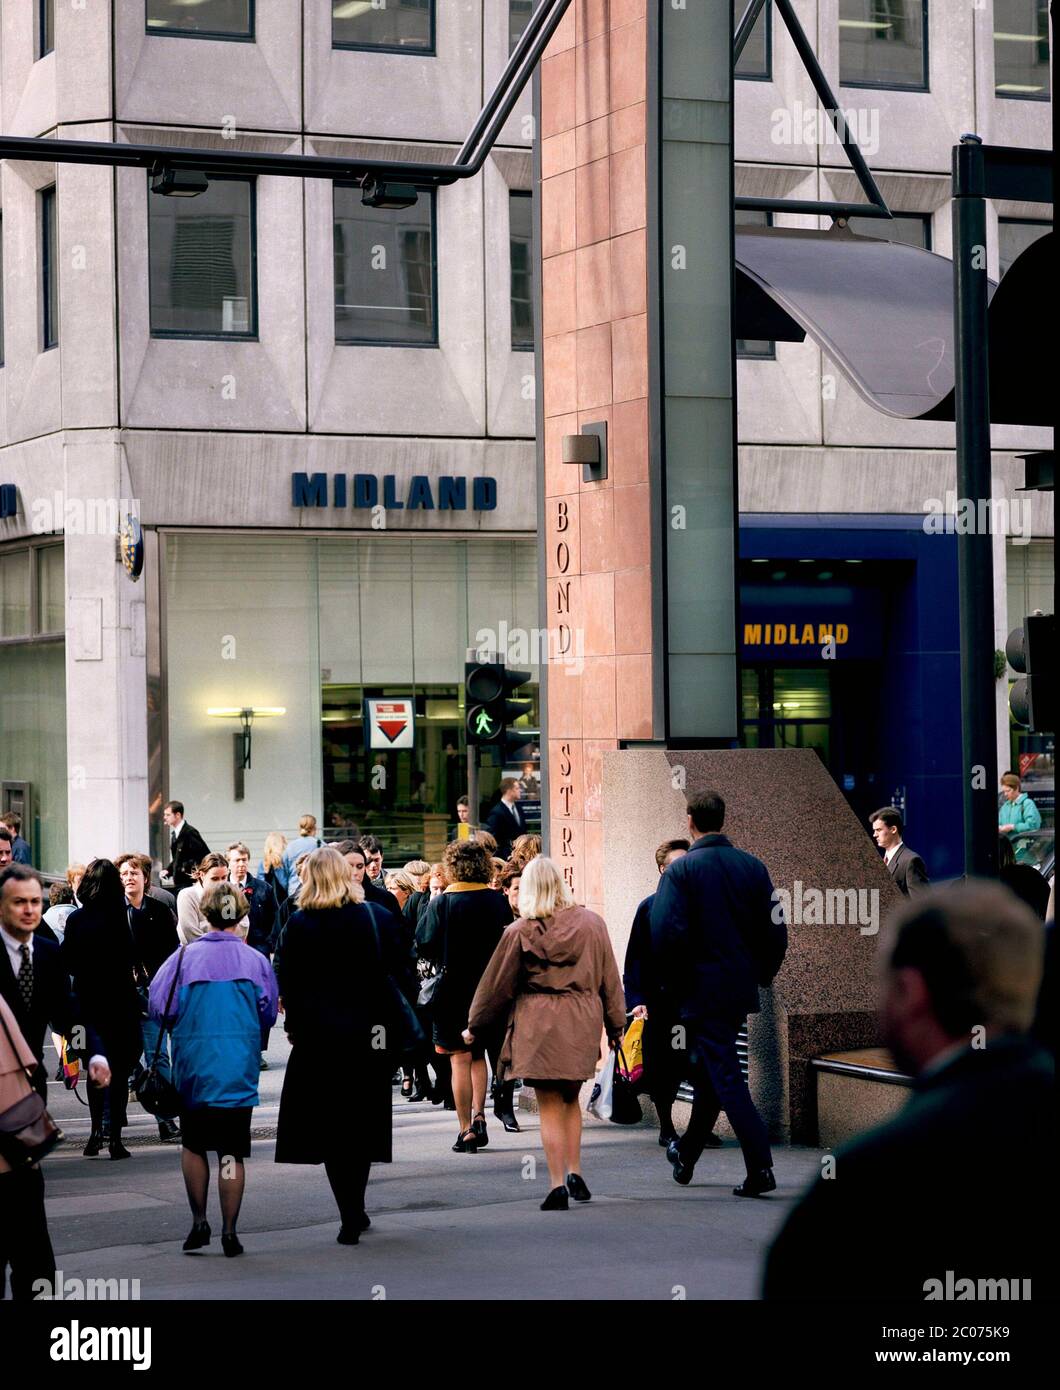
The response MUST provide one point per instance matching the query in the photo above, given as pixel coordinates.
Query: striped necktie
(25, 976)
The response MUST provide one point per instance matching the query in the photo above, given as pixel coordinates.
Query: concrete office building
(209, 359)
(321, 413)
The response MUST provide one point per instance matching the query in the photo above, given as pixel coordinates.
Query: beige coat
(14, 1083)
(557, 984)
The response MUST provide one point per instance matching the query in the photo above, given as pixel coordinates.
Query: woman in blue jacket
(215, 994)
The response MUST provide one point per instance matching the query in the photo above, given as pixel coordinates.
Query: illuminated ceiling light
(246, 715)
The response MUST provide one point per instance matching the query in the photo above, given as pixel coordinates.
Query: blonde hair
(542, 891)
(74, 871)
(401, 878)
(224, 905)
(525, 848)
(327, 881)
(417, 868)
(275, 844)
(437, 871)
(307, 825)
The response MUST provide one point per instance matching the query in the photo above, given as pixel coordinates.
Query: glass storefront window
(14, 594)
(51, 589)
(33, 743)
(349, 618)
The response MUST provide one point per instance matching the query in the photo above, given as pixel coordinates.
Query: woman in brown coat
(554, 974)
(24, 1242)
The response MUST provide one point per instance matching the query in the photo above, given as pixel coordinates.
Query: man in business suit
(505, 822)
(187, 848)
(904, 864)
(20, 850)
(154, 932)
(33, 981)
(928, 1205)
(262, 914)
(717, 933)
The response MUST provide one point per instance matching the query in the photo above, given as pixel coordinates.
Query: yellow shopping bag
(632, 1063)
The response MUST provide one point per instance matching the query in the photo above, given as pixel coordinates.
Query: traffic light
(1031, 650)
(488, 685)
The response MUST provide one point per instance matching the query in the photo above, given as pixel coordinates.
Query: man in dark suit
(20, 851)
(926, 1207)
(505, 822)
(904, 865)
(187, 848)
(717, 933)
(263, 914)
(33, 981)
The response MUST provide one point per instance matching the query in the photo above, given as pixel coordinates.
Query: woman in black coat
(459, 933)
(341, 962)
(99, 955)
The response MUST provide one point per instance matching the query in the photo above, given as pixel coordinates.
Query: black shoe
(577, 1188)
(348, 1236)
(363, 1221)
(712, 1142)
(467, 1143)
(508, 1120)
(169, 1131)
(198, 1236)
(118, 1149)
(231, 1244)
(756, 1183)
(418, 1094)
(95, 1143)
(436, 1096)
(556, 1200)
(682, 1171)
(667, 1137)
(449, 1103)
(406, 1086)
(478, 1124)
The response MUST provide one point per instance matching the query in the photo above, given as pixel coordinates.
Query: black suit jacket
(53, 1004)
(927, 1193)
(504, 828)
(908, 871)
(186, 856)
(155, 935)
(263, 912)
(717, 932)
(101, 958)
(375, 893)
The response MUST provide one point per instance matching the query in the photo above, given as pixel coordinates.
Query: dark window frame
(766, 76)
(925, 86)
(213, 36)
(429, 50)
(49, 255)
(528, 194)
(1019, 222)
(1022, 96)
(924, 218)
(45, 28)
(178, 334)
(771, 355)
(435, 343)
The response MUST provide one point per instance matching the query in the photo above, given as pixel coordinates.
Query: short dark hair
(463, 801)
(468, 861)
(6, 834)
(707, 810)
(177, 806)
(371, 844)
(349, 847)
(102, 887)
(13, 819)
(891, 817)
(507, 783)
(141, 859)
(667, 848)
(20, 873)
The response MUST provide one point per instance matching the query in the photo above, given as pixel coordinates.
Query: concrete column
(106, 700)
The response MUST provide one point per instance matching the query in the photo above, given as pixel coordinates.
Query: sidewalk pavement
(444, 1225)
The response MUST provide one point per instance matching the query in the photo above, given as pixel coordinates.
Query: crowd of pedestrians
(456, 981)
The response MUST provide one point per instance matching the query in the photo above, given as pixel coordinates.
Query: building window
(756, 60)
(521, 243)
(519, 12)
(883, 43)
(203, 19)
(399, 26)
(910, 228)
(1013, 237)
(202, 255)
(49, 261)
(45, 27)
(754, 347)
(385, 272)
(1021, 49)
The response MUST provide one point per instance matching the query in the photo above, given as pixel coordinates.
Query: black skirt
(216, 1129)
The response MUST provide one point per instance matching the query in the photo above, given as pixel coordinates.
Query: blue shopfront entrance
(849, 633)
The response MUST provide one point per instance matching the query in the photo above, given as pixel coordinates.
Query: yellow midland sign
(794, 634)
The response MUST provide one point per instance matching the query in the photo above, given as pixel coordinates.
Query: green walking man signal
(487, 687)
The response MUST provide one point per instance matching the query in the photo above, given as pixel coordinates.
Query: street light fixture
(242, 741)
(394, 196)
(178, 183)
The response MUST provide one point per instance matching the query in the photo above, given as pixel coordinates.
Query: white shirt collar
(889, 854)
(14, 949)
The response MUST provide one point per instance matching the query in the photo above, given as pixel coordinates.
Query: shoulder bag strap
(18, 1056)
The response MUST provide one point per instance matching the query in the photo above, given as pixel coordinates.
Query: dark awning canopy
(883, 312)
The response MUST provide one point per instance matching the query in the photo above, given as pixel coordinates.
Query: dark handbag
(402, 1025)
(429, 988)
(625, 1107)
(157, 1095)
(27, 1131)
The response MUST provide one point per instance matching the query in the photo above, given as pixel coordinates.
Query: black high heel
(197, 1237)
(231, 1244)
(467, 1143)
(478, 1125)
(556, 1200)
